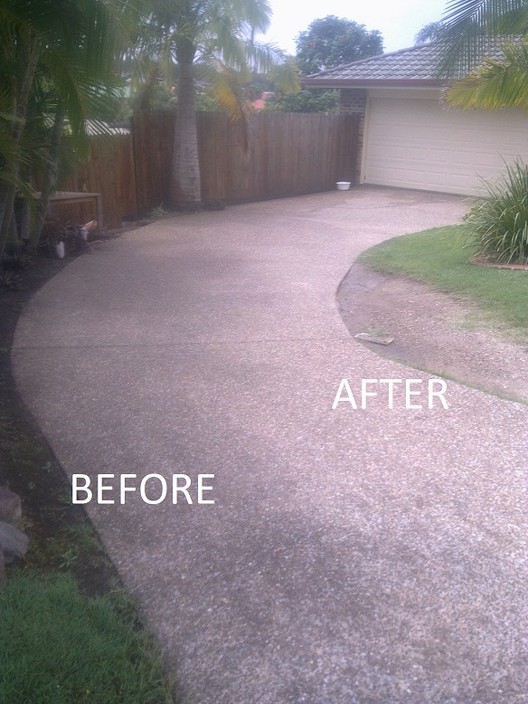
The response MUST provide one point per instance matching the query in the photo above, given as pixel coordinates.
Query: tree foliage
(499, 221)
(59, 64)
(488, 83)
(496, 84)
(431, 32)
(332, 41)
(468, 24)
(306, 100)
(207, 44)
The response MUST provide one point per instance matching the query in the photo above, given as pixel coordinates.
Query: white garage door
(417, 143)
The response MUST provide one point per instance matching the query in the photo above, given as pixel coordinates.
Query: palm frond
(256, 14)
(285, 75)
(497, 84)
(222, 40)
(264, 57)
(225, 86)
(467, 27)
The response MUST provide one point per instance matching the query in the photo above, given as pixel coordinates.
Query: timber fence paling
(214, 154)
(153, 136)
(286, 154)
(112, 172)
(108, 171)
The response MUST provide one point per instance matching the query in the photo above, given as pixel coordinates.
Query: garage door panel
(417, 143)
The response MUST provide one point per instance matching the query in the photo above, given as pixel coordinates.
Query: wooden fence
(110, 171)
(286, 154)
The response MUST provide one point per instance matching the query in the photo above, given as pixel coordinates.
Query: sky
(397, 20)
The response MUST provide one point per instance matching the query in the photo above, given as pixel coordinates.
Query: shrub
(500, 221)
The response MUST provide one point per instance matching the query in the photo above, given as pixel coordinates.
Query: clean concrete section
(368, 556)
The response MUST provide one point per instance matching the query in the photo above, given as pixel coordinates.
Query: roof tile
(416, 63)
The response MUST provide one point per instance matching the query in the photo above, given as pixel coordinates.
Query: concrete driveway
(370, 555)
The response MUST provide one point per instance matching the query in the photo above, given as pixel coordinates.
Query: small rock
(13, 542)
(376, 339)
(10, 505)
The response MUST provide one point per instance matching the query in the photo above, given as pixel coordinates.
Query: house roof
(414, 66)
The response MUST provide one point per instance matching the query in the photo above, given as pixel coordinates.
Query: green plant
(332, 41)
(68, 558)
(60, 647)
(73, 548)
(159, 211)
(60, 64)
(500, 221)
(305, 101)
(464, 27)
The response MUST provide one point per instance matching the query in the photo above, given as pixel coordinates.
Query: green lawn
(440, 256)
(60, 647)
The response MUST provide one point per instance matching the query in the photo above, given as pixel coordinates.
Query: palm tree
(496, 84)
(430, 32)
(58, 62)
(203, 42)
(472, 30)
(468, 27)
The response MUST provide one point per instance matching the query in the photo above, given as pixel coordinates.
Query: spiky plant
(500, 221)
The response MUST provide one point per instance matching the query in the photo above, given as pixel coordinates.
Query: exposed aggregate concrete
(352, 556)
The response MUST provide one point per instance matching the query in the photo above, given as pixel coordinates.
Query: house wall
(413, 140)
(353, 101)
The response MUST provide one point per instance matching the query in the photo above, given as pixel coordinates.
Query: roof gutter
(372, 83)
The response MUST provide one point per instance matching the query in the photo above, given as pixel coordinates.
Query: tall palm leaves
(219, 34)
(496, 84)
(468, 26)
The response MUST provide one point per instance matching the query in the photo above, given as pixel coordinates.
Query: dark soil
(61, 536)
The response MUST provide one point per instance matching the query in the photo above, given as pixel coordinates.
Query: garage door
(417, 143)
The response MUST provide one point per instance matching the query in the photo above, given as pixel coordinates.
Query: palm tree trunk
(185, 188)
(51, 175)
(30, 54)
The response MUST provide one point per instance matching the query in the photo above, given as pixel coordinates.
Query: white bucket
(343, 185)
